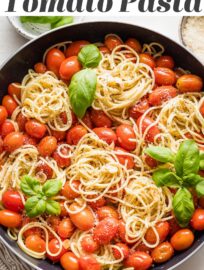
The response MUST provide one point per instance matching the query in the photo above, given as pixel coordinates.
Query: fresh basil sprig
(161, 154)
(39, 201)
(89, 56)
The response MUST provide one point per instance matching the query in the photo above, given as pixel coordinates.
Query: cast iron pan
(17, 66)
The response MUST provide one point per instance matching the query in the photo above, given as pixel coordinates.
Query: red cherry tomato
(162, 94)
(174, 227)
(134, 44)
(63, 212)
(35, 129)
(97, 203)
(139, 108)
(6, 128)
(21, 121)
(31, 231)
(162, 253)
(10, 104)
(182, 239)
(1, 147)
(75, 134)
(54, 59)
(53, 247)
(3, 114)
(66, 228)
(148, 60)
(29, 140)
(197, 221)
(164, 76)
(43, 167)
(15, 90)
(10, 219)
(59, 135)
(62, 162)
(69, 67)
(40, 68)
(151, 162)
(112, 41)
(68, 192)
(105, 230)
(69, 261)
(88, 262)
(87, 120)
(75, 47)
(89, 245)
(144, 124)
(35, 243)
(100, 119)
(13, 141)
(124, 249)
(12, 200)
(142, 247)
(107, 211)
(122, 230)
(47, 146)
(139, 261)
(104, 50)
(165, 61)
(189, 83)
(126, 137)
(162, 228)
(106, 134)
(53, 221)
(125, 160)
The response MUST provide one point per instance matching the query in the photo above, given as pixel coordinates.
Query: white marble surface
(10, 41)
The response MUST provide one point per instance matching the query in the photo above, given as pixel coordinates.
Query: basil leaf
(82, 90)
(183, 206)
(53, 208)
(187, 158)
(51, 187)
(35, 207)
(30, 186)
(201, 165)
(64, 20)
(192, 180)
(200, 189)
(161, 154)
(165, 177)
(40, 19)
(89, 56)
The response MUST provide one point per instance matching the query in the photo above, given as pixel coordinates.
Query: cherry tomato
(174, 227)
(66, 228)
(14, 89)
(97, 203)
(134, 44)
(104, 50)
(35, 129)
(126, 137)
(75, 134)
(162, 253)
(21, 121)
(35, 243)
(3, 114)
(10, 104)
(112, 42)
(31, 231)
(189, 83)
(84, 220)
(43, 167)
(88, 244)
(69, 261)
(182, 239)
(139, 108)
(12, 200)
(68, 192)
(122, 230)
(88, 262)
(40, 68)
(6, 128)
(100, 119)
(54, 222)
(164, 76)
(62, 162)
(47, 146)
(142, 247)
(165, 61)
(87, 120)
(1, 147)
(106, 134)
(63, 212)
(53, 247)
(162, 94)
(69, 67)
(107, 211)
(148, 60)
(125, 160)
(13, 141)
(54, 59)
(59, 135)
(151, 162)
(10, 219)
(105, 230)
(29, 140)
(139, 261)
(75, 47)
(162, 228)
(124, 249)
(145, 123)
(197, 221)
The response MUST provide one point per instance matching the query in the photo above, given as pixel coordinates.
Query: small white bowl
(32, 30)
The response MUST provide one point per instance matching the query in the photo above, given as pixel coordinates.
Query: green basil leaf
(187, 158)
(35, 207)
(165, 177)
(82, 90)
(30, 186)
(89, 56)
(53, 208)
(200, 189)
(51, 188)
(201, 165)
(192, 180)
(64, 20)
(161, 154)
(40, 19)
(183, 206)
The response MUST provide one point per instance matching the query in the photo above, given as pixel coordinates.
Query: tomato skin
(69, 67)
(54, 59)
(139, 108)
(1, 147)
(13, 141)
(197, 221)
(83, 220)
(151, 162)
(124, 159)
(142, 247)
(6, 128)
(35, 129)
(182, 239)
(31, 231)
(88, 262)
(139, 261)
(69, 261)
(122, 231)
(87, 120)
(107, 211)
(29, 140)
(62, 162)
(66, 228)
(162, 252)
(63, 212)
(125, 251)
(59, 135)
(75, 134)
(75, 47)
(106, 134)
(152, 132)
(10, 219)
(165, 61)
(44, 168)
(189, 83)
(3, 114)
(35, 243)
(100, 119)
(105, 230)
(162, 228)
(164, 76)
(14, 89)
(97, 203)
(104, 50)
(53, 247)
(162, 94)
(68, 192)
(125, 134)
(11, 200)
(21, 121)
(47, 146)
(10, 104)
(148, 60)
(111, 42)
(40, 68)
(89, 245)
(53, 221)
(174, 227)
(134, 44)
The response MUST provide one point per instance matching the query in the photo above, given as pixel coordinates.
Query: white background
(10, 41)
